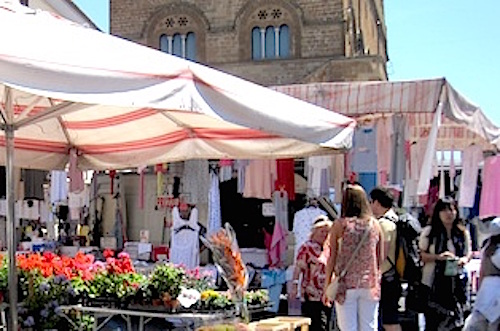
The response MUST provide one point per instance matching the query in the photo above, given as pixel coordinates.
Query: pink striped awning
(462, 124)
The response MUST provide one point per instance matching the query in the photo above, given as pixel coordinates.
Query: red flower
(108, 253)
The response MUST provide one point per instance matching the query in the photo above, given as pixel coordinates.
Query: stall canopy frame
(117, 104)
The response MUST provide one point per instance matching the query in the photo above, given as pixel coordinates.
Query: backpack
(408, 261)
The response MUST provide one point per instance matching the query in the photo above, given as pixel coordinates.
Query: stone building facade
(270, 42)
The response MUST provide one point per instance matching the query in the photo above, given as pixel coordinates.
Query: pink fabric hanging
(276, 246)
(490, 194)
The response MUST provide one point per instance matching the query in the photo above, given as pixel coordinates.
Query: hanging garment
(471, 158)
(75, 175)
(31, 209)
(33, 183)
(384, 153)
(285, 170)
(184, 239)
(368, 180)
(260, 176)
(280, 199)
(277, 248)
(398, 164)
(58, 186)
(118, 229)
(338, 175)
(414, 162)
(196, 181)
(489, 204)
(141, 172)
(76, 202)
(225, 170)
(302, 225)
(214, 213)
(442, 189)
(318, 182)
(365, 150)
(426, 169)
(240, 166)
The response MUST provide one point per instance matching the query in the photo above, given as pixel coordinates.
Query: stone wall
(322, 35)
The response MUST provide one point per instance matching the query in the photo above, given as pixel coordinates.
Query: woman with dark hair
(445, 246)
(356, 301)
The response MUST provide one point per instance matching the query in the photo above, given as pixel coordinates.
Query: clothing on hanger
(184, 239)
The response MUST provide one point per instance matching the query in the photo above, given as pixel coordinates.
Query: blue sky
(456, 39)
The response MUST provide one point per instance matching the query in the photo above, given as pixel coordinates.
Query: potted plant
(4, 279)
(165, 284)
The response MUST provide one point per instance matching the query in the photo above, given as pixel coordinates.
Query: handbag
(417, 297)
(451, 267)
(332, 289)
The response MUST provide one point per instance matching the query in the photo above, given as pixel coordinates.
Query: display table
(188, 320)
(288, 323)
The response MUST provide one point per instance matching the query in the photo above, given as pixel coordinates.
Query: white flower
(188, 297)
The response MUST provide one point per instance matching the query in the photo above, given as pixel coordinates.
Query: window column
(276, 42)
(183, 45)
(262, 43)
(170, 41)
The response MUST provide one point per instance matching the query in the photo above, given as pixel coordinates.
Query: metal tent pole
(11, 227)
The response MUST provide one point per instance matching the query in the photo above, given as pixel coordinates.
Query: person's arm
(424, 246)
(335, 235)
(467, 251)
(382, 246)
(299, 269)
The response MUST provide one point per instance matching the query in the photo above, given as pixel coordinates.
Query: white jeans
(359, 311)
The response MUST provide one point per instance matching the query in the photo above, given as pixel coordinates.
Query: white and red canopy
(120, 105)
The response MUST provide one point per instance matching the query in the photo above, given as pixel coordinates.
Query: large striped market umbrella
(119, 105)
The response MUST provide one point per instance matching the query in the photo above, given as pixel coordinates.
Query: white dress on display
(184, 239)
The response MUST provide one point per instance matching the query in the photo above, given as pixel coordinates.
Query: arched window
(284, 36)
(256, 49)
(180, 45)
(177, 45)
(165, 44)
(191, 46)
(271, 43)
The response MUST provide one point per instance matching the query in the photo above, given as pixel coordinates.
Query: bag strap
(351, 259)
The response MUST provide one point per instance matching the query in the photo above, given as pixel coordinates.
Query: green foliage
(4, 275)
(122, 287)
(42, 298)
(166, 278)
(214, 300)
(199, 281)
(257, 298)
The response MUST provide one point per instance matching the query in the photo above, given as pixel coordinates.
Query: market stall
(419, 120)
